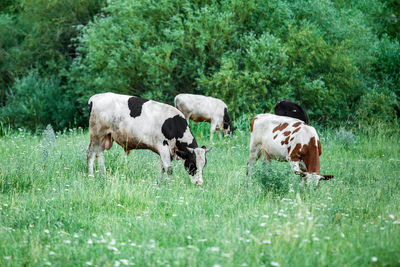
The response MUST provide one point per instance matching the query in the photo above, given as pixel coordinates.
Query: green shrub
(34, 102)
(377, 109)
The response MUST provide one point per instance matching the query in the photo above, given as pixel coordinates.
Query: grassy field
(52, 213)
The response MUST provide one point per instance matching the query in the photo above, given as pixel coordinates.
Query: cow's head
(315, 178)
(227, 124)
(195, 160)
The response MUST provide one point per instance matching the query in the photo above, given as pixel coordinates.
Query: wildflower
(274, 263)
(214, 249)
(90, 241)
(89, 263)
(374, 259)
(52, 253)
(263, 224)
(46, 231)
(124, 261)
(117, 263)
(391, 216)
(67, 241)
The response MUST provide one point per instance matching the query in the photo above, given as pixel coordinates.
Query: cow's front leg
(295, 165)
(165, 161)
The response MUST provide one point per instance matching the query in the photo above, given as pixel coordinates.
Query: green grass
(52, 213)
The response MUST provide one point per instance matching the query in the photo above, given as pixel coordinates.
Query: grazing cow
(137, 123)
(284, 138)
(290, 109)
(205, 108)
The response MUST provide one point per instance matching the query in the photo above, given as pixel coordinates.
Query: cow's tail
(175, 101)
(90, 104)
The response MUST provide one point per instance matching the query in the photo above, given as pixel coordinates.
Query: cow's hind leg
(255, 154)
(91, 154)
(106, 144)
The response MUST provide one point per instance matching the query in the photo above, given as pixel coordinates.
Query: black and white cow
(205, 108)
(137, 123)
(290, 109)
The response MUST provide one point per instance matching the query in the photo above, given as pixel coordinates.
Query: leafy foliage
(31, 99)
(326, 55)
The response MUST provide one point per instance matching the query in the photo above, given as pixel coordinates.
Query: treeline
(339, 59)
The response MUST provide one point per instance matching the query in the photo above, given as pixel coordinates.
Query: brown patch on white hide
(310, 156)
(296, 130)
(286, 133)
(286, 141)
(280, 127)
(296, 124)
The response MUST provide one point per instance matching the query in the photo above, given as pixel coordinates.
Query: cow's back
(129, 117)
(279, 135)
(199, 104)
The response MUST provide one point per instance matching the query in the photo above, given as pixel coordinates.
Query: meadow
(52, 213)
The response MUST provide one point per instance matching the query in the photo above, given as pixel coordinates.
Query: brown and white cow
(289, 139)
(205, 108)
(137, 123)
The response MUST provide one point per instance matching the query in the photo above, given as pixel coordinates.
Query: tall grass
(52, 213)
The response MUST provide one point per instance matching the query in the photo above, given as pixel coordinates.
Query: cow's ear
(327, 176)
(206, 149)
(182, 154)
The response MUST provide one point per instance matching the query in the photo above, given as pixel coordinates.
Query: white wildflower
(89, 263)
(374, 259)
(124, 261)
(274, 263)
(46, 231)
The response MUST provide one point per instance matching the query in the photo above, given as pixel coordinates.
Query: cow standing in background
(205, 108)
(284, 138)
(137, 123)
(290, 109)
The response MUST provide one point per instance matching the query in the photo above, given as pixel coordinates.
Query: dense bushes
(35, 101)
(339, 59)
